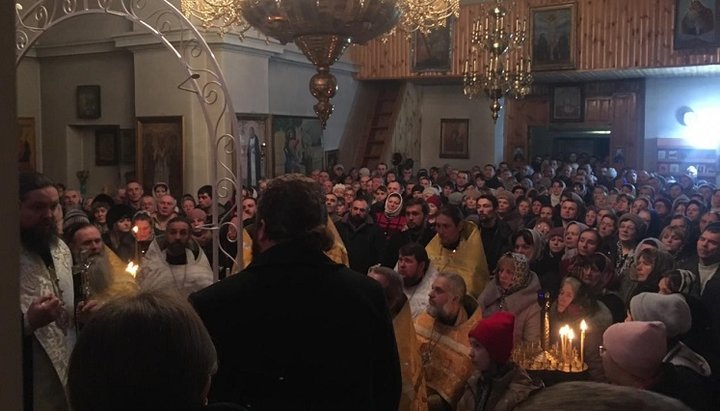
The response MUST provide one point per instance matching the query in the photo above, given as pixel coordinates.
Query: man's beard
(176, 248)
(356, 220)
(437, 312)
(39, 238)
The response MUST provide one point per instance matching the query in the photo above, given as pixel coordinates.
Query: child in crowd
(498, 383)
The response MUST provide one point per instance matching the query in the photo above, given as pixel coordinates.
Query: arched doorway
(206, 81)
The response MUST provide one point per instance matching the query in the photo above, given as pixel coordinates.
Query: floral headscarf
(521, 272)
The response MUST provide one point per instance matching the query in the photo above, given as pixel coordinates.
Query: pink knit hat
(637, 347)
(495, 333)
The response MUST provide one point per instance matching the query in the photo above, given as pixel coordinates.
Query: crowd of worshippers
(461, 255)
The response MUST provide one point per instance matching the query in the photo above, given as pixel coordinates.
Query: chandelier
(426, 15)
(322, 29)
(498, 77)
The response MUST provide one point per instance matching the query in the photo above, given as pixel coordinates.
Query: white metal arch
(184, 41)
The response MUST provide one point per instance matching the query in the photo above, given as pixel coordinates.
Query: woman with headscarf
(391, 220)
(572, 236)
(575, 303)
(514, 289)
(531, 244)
(598, 273)
(631, 229)
(650, 263)
(588, 243)
(506, 209)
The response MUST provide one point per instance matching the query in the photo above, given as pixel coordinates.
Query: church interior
(631, 85)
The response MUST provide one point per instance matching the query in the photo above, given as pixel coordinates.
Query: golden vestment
(468, 259)
(123, 283)
(414, 395)
(338, 253)
(445, 353)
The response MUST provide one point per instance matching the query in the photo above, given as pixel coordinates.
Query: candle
(583, 328)
(132, 268)
(563, 333)
(571, 337)
(135, 230)
(467, 66)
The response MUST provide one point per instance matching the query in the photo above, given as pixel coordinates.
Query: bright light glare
(702, 126)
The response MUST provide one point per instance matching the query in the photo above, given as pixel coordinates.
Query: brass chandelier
(426, 15)
(502, 75)
(322, 29)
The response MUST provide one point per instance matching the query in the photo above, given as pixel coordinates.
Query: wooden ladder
(382, 122)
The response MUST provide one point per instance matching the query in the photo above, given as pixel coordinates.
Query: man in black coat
(418, 231)
(363, 239)
(295, 331)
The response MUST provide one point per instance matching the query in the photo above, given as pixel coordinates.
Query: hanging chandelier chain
(507, 71)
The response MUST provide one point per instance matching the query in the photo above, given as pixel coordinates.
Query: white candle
(583, 328)
(571, 337)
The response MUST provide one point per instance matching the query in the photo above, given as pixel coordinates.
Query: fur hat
(455, 198)
(197, 213)
(431, 191)
(556, 232)
(507, 195)
(671, 310)
(74, 216)
(636, 347)
(117, 213)
(495, 333)
(103, 199)
(640, 225)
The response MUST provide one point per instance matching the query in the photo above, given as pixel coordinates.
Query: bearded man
(175, 261)
(444, 344)
(100, 274)
(46, 293)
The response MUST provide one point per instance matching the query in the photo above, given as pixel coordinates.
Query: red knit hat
(434, 199)
(495, 333)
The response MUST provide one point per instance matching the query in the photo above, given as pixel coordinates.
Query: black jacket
(402, 238)
(365, 244)
(295, 331)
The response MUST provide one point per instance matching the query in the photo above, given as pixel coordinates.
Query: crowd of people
(452, 264)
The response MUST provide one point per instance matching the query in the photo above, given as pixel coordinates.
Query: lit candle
(135, 230)
(583, 328)
(563, 333)
(467, 66)
(132, 269)
(571, 337)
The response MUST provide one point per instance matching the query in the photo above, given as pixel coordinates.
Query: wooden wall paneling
(520, 115)
(597, 110)
(611, 34)
(624, 129)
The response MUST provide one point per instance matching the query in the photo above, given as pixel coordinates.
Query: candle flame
(132, 268)
(583, 326)
(135, 229)
(571, 334)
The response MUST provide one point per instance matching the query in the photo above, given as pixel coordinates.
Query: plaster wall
(439, 102)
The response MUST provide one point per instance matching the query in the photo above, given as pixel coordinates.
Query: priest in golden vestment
(414, 395)
(442, 332)
(458, 248)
